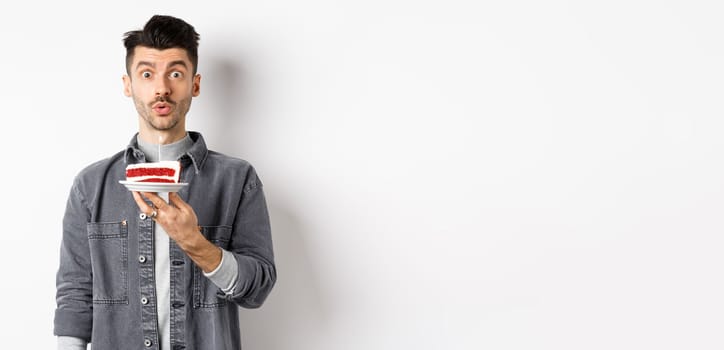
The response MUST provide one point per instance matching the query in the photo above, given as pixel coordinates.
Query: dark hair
(163, 32)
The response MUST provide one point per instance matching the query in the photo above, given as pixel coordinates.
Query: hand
(180, 222)
(176, 217)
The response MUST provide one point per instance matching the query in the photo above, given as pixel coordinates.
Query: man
(146, 271)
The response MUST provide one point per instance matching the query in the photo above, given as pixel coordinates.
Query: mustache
(162, 99)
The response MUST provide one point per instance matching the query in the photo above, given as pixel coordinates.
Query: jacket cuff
(73, 324)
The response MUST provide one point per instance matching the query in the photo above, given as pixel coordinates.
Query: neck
(162, 137)
(171, 151)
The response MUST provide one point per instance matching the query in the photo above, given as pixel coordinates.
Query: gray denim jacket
(105, 281)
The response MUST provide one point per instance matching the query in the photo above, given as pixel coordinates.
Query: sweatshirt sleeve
(71, 343)
(226, 274)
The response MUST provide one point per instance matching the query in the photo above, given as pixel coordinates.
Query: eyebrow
(153, 65)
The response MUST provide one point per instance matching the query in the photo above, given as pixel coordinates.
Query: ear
(197, 85)
(127, 90)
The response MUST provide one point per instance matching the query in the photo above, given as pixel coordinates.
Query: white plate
(152, 186)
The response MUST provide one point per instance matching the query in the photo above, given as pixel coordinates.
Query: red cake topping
(150, 172)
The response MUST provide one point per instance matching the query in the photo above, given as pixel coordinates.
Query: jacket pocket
(109, 259)
(206, 293)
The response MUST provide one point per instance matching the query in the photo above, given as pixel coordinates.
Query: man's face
(162, 84)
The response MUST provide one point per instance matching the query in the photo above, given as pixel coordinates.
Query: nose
(162, 88)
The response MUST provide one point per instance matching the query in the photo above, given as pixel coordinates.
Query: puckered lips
(162, 108)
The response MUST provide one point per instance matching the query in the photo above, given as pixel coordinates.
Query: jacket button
(142, 216)
(144, 301)
(147, 343)
(141, 258)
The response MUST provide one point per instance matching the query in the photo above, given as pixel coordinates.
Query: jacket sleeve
(251, 244)
(74, 279)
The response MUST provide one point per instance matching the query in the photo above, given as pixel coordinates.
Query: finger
(176, 201)
(145, 208)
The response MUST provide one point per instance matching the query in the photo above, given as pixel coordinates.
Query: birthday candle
(159, 148)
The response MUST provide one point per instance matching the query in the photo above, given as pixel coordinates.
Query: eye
(176, 74)
(146, 74)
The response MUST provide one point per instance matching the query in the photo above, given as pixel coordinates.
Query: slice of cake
(166, 171)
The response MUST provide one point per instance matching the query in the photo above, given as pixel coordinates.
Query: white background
(440, 174)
